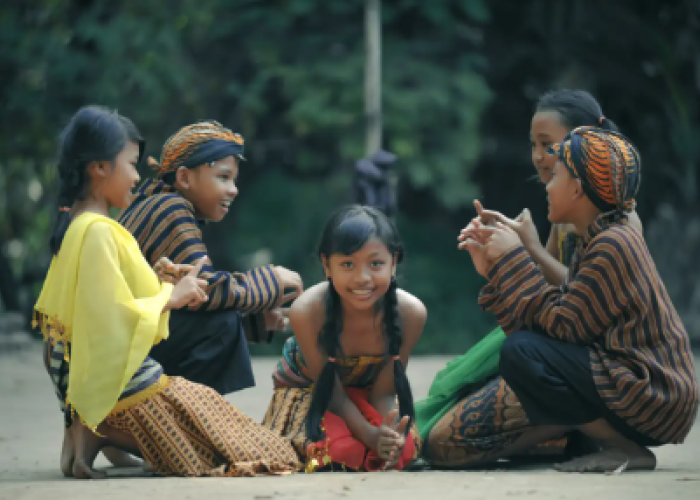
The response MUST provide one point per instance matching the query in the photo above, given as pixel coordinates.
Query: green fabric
(476, 366)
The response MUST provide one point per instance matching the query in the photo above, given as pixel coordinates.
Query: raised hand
(487, 217)
(474, 241)
(501, 239)
(189, 290)
(522, 224)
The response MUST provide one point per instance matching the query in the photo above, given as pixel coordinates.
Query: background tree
(460, 78)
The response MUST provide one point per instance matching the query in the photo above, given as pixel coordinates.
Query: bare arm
(548, 258)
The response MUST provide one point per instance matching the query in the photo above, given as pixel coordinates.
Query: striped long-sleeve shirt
(615, 303)
(164, 224)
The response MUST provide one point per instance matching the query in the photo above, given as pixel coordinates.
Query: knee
(517, 355)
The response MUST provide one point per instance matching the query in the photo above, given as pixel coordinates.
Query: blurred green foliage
(459, 81)
(289, 76)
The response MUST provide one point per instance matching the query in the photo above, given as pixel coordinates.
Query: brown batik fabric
(480, 426)
(190, 430)
(286, 416)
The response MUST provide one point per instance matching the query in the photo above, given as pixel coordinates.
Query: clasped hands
(490, 235)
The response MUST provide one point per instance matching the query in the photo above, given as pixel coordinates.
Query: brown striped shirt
(615, 303)
(164, 224)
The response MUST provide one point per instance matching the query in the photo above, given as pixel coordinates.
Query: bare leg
(67, 453)
(121, 458)
(616, 451)
(89, 444)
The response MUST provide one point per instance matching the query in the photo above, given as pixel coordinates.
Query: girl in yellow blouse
(101, 310)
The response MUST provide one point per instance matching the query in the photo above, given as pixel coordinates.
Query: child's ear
(98, 169)
(394, 263)
(182, 177)
(326, 266)
(578, 189)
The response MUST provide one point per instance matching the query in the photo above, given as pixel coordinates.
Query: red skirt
(340, 447)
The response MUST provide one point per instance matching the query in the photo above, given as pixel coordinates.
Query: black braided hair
(94, 133)
(346, 232)
(329, 340)
(576, 108)
(394, 339)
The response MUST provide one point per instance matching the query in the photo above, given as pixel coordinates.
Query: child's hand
(166, 271)
(474, 241)
(172, 273)
(501, 239)
(189, 291)
(277, 320)
(289, 279)
(477, 251)
(391, 439)
(522, 224)
(470, 232)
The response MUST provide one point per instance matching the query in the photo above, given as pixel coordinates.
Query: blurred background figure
(375, 183)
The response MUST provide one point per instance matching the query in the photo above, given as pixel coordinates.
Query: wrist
(531, 245)
(370, 437)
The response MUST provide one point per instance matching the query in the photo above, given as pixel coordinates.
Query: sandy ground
(31, 432)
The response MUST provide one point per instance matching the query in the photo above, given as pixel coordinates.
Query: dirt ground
(31, 432)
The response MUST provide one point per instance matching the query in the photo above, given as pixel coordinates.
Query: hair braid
(394, 339)
(329, 341)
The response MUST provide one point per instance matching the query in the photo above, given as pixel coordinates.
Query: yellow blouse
(101, 297)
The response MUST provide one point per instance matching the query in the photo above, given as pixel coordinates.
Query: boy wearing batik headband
(606, 353)
(196, 184)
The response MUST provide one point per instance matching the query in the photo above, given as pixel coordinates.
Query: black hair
(346, 232)
(94, 133)
(576, 108)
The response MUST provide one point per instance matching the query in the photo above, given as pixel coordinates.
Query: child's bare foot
(87, 446)
(120, 458)
(67, 453)
(609, 460)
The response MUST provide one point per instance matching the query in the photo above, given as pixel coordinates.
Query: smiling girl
(101, 310)
(341, 374)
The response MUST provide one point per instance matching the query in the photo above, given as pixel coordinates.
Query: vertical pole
(373, 76)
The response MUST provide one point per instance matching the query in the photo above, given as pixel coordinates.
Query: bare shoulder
(413, 313)
(308, 312)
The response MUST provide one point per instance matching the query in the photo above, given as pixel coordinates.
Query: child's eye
(346, 265)
(377, 263)
(223, 177)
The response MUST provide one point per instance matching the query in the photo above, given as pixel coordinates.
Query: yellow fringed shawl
(102, 297)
